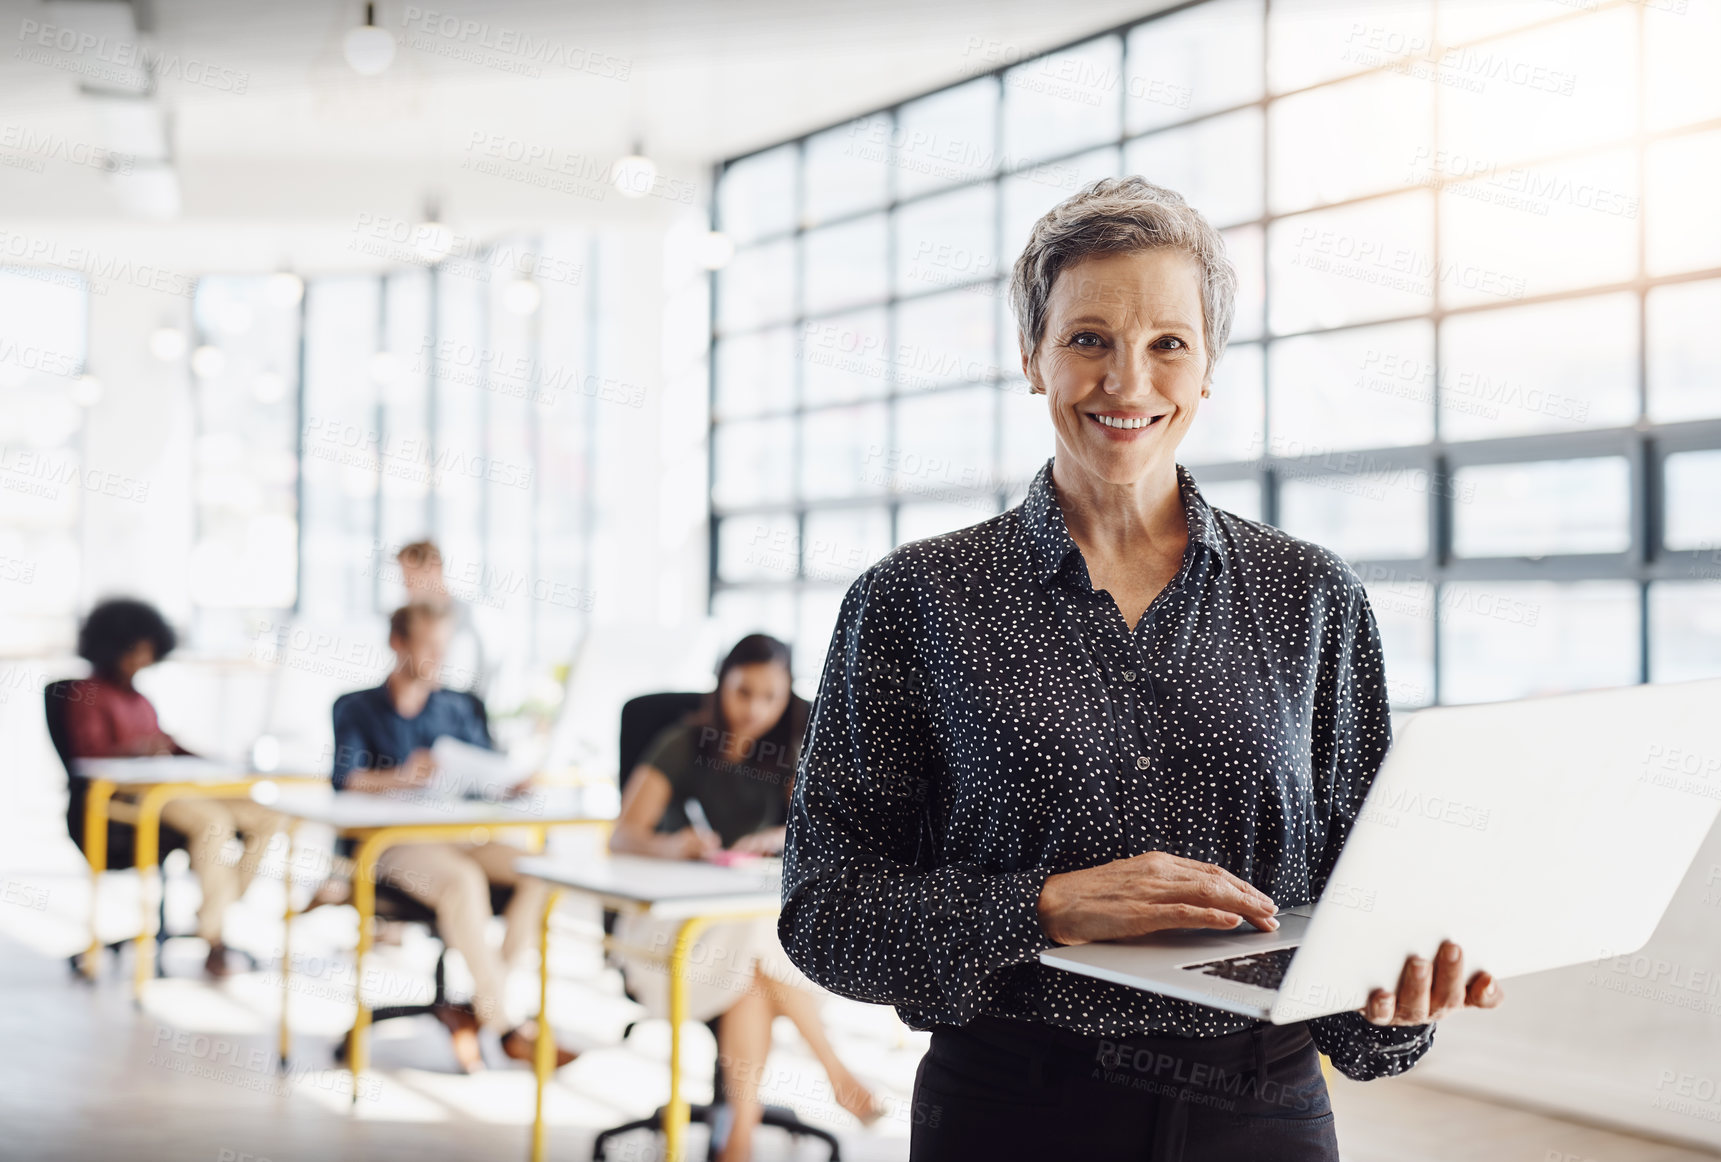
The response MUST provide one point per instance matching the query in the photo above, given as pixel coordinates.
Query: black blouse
(986, 718)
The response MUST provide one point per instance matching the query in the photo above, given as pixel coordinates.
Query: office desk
(156, 781)
(699, 894)
(380, 821)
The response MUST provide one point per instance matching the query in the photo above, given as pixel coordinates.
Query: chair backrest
(55, 697)
(644, 718)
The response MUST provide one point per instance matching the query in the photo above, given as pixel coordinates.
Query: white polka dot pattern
(986, 719)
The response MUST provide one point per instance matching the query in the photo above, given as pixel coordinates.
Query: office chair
(395, 905)
(122, 850)
(642, 719)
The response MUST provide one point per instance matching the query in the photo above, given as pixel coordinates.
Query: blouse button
(1129, 675)
(1141, 762)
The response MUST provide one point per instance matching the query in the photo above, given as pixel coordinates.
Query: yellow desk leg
(287, 942)
(364, 898)
(675, 1114)
(96, 851)
(147, 842)
(544, 1059)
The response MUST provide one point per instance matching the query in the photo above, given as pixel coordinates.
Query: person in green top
(720, 781)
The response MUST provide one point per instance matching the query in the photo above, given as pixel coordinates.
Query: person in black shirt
(735, 758)
(1109, 711)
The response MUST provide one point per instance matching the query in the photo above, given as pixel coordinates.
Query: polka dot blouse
(986, 718)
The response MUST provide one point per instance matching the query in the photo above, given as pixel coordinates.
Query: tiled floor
(190, 1075)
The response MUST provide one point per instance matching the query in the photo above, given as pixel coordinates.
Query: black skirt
(1003, 1089)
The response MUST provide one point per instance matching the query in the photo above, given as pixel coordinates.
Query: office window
(42, 472)
(1473, 342)
(245, 553)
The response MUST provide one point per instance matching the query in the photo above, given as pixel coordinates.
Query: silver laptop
(1537, 834)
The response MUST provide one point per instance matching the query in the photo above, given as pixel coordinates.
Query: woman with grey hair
(1110, 711)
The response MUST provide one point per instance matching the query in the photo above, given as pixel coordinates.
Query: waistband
(1258, 1046)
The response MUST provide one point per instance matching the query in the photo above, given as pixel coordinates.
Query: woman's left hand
(1428, 992)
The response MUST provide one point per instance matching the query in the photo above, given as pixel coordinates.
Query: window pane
(944, 442)
(1346, 140)
(739, 612)
(1685, 629)
(944, 339)
(1215, 164)
(1196, 61)
(761, 546)
(1683, 181)
(1057, 103)
(946, 138)
(1541, 368)
(844, 265)
(843, 541)
(752, 461)
(1537, 229)
(844, 357)
(924, 519)
(339, 464)
(1369, 515)
(847, 169)
(1684, 359)
(842, 451)
(1342, 390)
(1240, 497)
(1374, 260)
(1541, 92)
(755, 373)
(1462, 21)
(1245, 248)
(1229, 425)
(1679, 44)
(1403, 605)
(1029, 194)
(1536, 510)
(247, 415)
(756, 196)
(814, 625)
(1503, 640)
(757, 287)
(1693, 492)
(1309, 41)
(1027, 434)
(947, 240)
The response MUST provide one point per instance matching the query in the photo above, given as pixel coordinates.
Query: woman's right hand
(1148, 893)
(691, 843)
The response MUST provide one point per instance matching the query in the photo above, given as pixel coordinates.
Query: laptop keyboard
(1265, 969)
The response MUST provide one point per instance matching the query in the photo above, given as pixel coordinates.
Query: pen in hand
(696, 816)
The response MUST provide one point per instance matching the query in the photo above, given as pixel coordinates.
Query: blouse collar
(1049, 540)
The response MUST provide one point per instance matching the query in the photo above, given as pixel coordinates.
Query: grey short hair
(1119, 216)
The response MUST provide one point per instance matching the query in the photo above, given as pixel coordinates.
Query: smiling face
(1122, 361)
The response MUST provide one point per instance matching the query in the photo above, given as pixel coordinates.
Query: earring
(1207, 393)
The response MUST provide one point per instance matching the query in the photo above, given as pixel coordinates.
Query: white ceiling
(309, 146)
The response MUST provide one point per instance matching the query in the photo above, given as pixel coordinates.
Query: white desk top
(671, 887)
(175, 768)
(361, 810)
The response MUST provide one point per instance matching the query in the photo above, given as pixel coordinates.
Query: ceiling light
(715, 250)
(369, 49)
(207, 362)
(284, 288)
(86, 390)
(634, 174)
(521, 297)
(167, 343)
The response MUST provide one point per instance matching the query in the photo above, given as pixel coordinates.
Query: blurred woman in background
(720, 782)
(108, 717)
